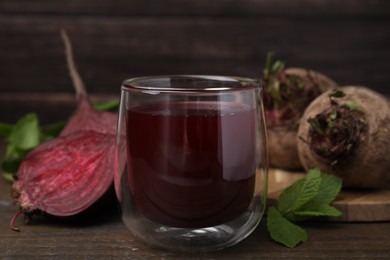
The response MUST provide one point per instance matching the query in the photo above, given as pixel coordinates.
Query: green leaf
(330, 187)
(283, 231)
(276, 67)
(330, 120)
(267, 67)
(297, 81)
(353, 105)
(321, 211)
(9, 176)
(272, 68)
(309, 188)
(11, 164)
(337, 93)
(12, 158)
(25, 134)
(305, 198)
(5, 129)
(274, 91)
(112, 105)
(299, 193)
(51, 131)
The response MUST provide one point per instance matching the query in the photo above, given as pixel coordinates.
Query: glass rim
(237, 83)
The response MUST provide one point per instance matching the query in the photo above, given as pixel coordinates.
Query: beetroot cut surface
(65, 176)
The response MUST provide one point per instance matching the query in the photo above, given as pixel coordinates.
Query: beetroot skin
(88, 119)
(65, 176)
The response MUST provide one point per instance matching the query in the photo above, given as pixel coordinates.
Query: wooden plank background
(347, 40)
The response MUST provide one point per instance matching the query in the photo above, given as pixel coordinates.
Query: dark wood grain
(346, 40)
(50, 107)
(199, 7)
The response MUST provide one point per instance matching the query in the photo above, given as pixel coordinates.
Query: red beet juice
(192, 164)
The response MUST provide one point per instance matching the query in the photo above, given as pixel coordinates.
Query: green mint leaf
(12, 158)
(330, 187)
(299, 193)
(51, 131)
(9, 176)
(11, 164)
(5, 129)
(324, 210)
(112, 105)
(25, 134)
(305, 198)
(283, 231)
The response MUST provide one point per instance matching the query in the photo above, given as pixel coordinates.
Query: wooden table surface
(103, 236)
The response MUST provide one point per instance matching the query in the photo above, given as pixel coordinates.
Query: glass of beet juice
(192, 160)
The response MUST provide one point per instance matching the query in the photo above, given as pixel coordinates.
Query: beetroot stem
(75, 76)
(13, 219)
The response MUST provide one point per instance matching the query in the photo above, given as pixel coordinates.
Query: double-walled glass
(191, 160)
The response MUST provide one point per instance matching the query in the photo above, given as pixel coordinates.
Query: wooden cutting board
(356, 205)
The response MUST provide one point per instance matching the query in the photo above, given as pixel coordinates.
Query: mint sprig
(308, 197)
(21, 138)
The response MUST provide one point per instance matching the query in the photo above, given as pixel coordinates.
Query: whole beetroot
(287, 94)
(346, 132)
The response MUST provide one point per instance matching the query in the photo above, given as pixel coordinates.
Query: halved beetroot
(65, 176)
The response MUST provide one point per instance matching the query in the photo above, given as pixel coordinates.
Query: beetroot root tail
(13, 219)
